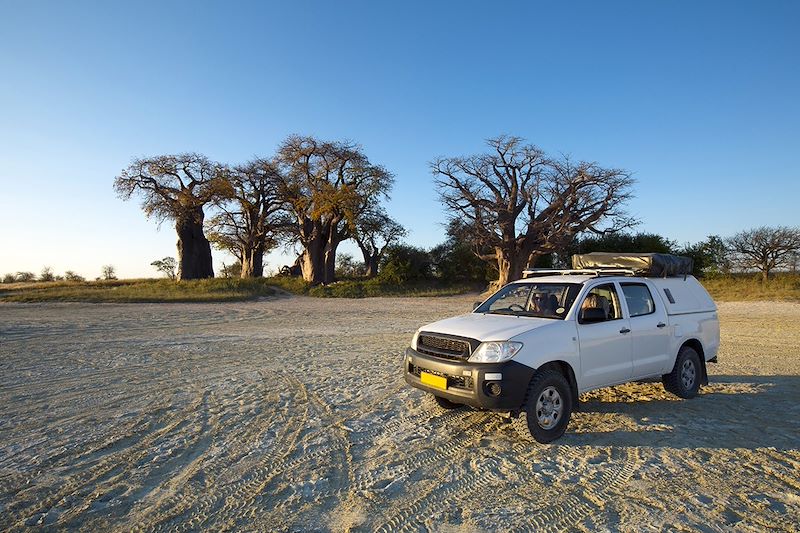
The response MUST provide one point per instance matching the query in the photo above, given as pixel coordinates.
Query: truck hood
(487, 327)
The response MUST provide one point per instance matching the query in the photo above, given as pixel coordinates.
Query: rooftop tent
(659, 265)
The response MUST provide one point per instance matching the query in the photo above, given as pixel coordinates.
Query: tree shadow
(731, 412)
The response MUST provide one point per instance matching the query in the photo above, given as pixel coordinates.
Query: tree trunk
(509, 267)
(330, 261)
(194, 251)
(764, 274)
(333, 238)
(253, 262)
(313, 265)
(371, 263)
(371, 259)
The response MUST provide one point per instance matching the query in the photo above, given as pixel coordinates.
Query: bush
(454, 262)
(404, 264)
(69, 275)
(623, 242)
(47, 274)
(348, 267)
(9, 278)
(293, 284)
(26, 276)
(231, 271)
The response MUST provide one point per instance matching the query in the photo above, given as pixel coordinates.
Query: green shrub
(404, 263)
(26, 276)
(293, 284)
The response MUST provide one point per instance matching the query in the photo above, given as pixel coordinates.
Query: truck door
(604, 337)
(649, 332)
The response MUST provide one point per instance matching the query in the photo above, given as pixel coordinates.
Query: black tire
(684, 380)
(444, 403)
(548, 406)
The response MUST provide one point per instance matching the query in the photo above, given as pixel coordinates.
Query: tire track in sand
(191, 509)
(588, 499)
(109, 466)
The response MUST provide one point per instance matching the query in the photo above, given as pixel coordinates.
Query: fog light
(494, 389)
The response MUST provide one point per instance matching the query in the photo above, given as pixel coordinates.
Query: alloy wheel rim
(688, 374)
(549, 407)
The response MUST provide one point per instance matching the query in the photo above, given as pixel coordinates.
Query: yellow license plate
(433, 380)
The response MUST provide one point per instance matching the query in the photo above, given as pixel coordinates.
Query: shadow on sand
(731, 412)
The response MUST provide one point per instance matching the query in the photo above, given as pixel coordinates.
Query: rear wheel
(684, 380)
(547, 409)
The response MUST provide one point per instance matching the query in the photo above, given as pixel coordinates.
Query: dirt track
(291, 414)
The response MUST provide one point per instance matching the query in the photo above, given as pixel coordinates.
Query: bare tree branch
(521, 204)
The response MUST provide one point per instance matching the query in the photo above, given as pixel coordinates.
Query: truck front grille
(443, 347)
(459, 382)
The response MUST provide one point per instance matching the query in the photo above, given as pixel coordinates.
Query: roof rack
(580, 272)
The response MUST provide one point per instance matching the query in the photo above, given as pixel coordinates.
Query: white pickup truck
(537, 343)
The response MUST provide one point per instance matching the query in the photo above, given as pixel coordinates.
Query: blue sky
(698, 100)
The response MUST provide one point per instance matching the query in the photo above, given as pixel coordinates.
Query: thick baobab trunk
(334, 238)
(194, 251)
(313, 265)
(330, 261)
(253, 262)
(509, 266)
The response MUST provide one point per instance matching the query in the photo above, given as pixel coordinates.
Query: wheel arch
(697, 346)
(566, 370)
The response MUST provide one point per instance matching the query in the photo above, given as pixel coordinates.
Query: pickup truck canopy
(651, 264)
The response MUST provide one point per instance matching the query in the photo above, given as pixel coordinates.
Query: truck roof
(681, 294)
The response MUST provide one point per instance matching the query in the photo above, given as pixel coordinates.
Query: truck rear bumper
(497, 386)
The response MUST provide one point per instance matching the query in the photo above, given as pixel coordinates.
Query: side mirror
(590, 315)
(476, 305)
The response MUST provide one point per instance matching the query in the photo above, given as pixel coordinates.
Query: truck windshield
(543, 300)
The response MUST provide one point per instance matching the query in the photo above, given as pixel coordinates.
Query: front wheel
(684, 380)
(547, 409)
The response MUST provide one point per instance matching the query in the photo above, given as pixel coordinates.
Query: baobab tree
(517, 204)
(177, 187)
(250, 218)
(374, 232)
(326, 186)
(765, 249)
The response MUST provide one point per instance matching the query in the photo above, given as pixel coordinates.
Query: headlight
(414, 340)
(495, 352)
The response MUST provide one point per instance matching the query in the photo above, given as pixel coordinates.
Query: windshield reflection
(536, 300)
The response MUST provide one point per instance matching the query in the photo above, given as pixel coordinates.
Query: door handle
(660, 325)
(624, 330)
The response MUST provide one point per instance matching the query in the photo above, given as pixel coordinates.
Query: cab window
(516, 298)
(640, 301)
(540, 300)
(600, 304)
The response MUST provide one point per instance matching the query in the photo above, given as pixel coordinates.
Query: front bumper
(467, 382)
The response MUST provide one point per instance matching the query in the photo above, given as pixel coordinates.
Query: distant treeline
(509, 208)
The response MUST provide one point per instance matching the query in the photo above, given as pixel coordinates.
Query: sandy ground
(291, 414)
